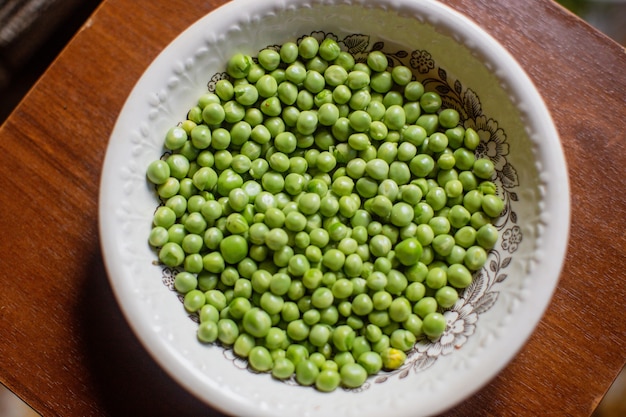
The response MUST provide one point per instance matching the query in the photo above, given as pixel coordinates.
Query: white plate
(448, 52)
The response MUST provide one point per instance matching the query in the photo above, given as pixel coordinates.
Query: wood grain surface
(67, 350)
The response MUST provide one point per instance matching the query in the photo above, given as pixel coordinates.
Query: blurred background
(33, 33)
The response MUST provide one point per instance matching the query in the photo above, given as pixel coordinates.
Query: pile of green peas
(323, 212)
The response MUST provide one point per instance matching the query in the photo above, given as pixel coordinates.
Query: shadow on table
(127, 379)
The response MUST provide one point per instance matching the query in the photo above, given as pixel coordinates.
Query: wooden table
(65, 346)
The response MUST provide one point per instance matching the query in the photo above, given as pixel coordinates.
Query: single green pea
(430, 102)
(256, 72)
(446, 296)
(436, 198)
(158, 172)
(459, 276)
(227, 331)
(246, 95)
(357, 80)
(164, 217)
(393, 98)
(169, 188)
(171, 254)
(256, 322)
(260, 359)
(352, 375)
(381, 82)
(289, 52)
(413, 111)
(433, 325)
(308, 47)
(175, 138)
(233, 248)
(207, 331)
(425, 306)
(429, 122)
(283, 368)
(360, 100)
(377, 61)
(395, 118)
(343, 337)
(306, 372)
(377, 169)
(220, 139)
(224, 89)
(298, 330)
(483, 168)
(443, 244)
(243, 345)
(437, 142)
(413, 90)
(271, 106)
(492, 205)
(269, 59)
(401, 75)
(471, 139)
(327, 380)
(326, 162)
(328, 49)
(487, 236)
(345, 60)
(449, 118)
(158, 236)
(239, 65)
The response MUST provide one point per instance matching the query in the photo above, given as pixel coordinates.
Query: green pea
(269, 59)
(343, 337)
(158, 172)
(326, 162)
(443, 244)
(487, 236)
(327, 380)
(425, 306)
(333, 259)
(308, 47)
(449, 118)
(430, 102)
(437, 142)
(306, 372)
(429, 122)
(395, 118)
(381, 82)
(388, 151)
(492, 205)
(459, 276)
(392, 98)
(288, 52)
(357, 80)
(377, 169)
(207, 331)
(245, 94)
(239, 65)
(260, 359)
(483, 168)
(471, 139)
(402, 75)
(433, 325)
(175, 138)
(446, 296)
(233, 248)
(171, 254)
(352, 375)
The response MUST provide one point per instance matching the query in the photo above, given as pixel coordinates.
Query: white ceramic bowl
(449, 54)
